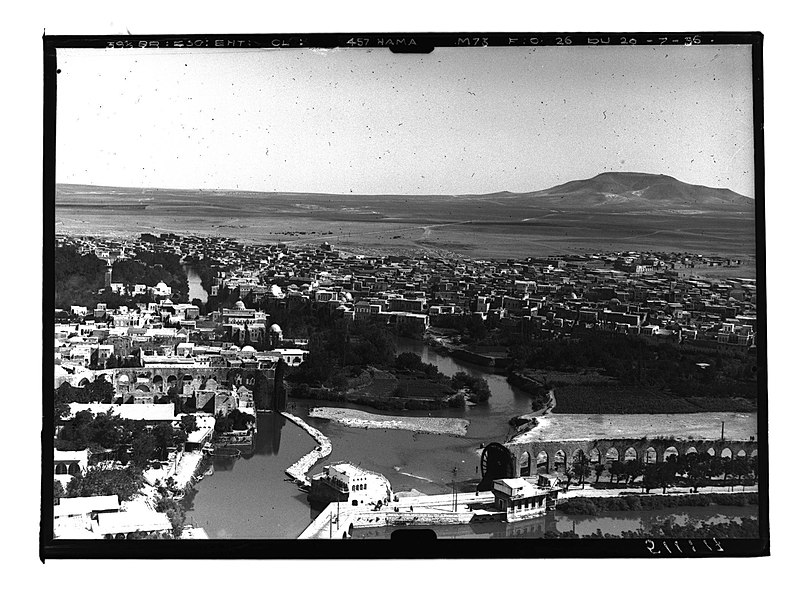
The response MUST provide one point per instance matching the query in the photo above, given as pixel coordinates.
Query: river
(614, 523)
(196, 290)
(253, 500)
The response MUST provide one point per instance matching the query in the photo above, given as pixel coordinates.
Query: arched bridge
(525, 459)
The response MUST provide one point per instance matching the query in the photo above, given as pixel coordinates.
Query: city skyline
(453, 122)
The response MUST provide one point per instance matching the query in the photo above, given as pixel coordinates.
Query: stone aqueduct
(552, 455)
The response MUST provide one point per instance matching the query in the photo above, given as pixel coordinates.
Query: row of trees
(233, 421)
(78, 277)
(695, 469)
(344, 345)
(747, 528)
(632, 360)
(97, 391)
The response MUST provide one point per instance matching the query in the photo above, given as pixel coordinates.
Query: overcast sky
(456, 121)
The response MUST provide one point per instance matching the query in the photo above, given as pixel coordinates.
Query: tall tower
(108, 269)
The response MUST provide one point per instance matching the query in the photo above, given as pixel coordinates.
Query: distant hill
(640, 192)
(611, 194)
(609, 211)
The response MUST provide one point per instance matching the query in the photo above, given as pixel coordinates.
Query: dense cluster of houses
(651, 294)
(645, 294)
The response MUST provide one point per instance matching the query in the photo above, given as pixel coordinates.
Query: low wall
(416, 518)
(298, 471)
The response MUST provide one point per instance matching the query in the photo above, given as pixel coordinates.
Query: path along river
(251, 498)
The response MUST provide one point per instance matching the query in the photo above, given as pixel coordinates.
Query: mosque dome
(275, 328)
(240, 305)
(248, 348)
(275, 291)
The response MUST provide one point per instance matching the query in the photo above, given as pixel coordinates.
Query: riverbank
(638, 502)
(339, 520)
(739, 426)
(435, 426)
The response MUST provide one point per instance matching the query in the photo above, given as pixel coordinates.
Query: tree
(175, 513)
(581, 468)
(61, 409)
(651, 476)
(58, 491)
(76, 434)
(100, 391)
(143, 448)
(408, 361)
(106, 431)
(740, 469)
(617, 470)
(188, 423)
(477, 386)
(668, 472)
(695, 468)
(633, 470)
(598, 469)
(124, 483)
(222, 424)
(240, 421)
(167, 436)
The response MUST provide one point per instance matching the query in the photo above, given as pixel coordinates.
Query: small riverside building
(347, 482)
(519, 499)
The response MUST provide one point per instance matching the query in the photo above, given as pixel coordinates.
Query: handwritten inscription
(688, 547)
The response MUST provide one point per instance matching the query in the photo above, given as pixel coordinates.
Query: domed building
(275, 335)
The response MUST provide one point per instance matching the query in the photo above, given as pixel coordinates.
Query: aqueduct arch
(607, 450)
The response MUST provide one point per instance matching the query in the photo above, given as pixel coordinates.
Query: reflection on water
(267, 439)
(196, 290)
(614, 523)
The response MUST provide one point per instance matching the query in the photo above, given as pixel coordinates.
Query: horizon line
(328, 193)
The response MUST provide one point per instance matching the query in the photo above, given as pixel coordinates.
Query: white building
(519, 499)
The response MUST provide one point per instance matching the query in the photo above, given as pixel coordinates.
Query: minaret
(108, 269)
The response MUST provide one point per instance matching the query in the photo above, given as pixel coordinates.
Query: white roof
(124, 522)
(66, 456)
(199, 435)
(518, 486)
(77, 506)
(128, 411)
